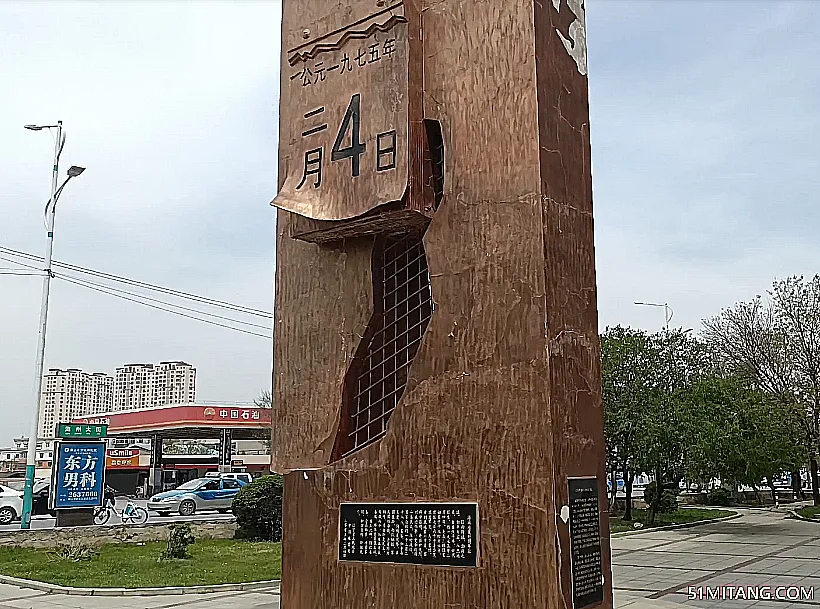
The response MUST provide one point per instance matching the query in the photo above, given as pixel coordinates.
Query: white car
(11, 504)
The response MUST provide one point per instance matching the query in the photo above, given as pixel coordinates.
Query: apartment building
(138, 386)
(72, 393)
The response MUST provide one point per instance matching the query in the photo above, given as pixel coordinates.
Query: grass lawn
(220, 561)
(682, 516)
(809, 512)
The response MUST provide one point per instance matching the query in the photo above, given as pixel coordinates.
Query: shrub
(720, 497)
(74, 551)
(258, 509)
(179, 538)
(669, 499)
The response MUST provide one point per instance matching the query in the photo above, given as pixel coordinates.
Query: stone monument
(437, 394)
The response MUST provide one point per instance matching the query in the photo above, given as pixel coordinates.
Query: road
(46, 522)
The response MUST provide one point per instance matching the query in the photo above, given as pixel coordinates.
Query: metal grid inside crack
(406, 301)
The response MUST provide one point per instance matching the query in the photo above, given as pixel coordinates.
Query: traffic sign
(81, 430)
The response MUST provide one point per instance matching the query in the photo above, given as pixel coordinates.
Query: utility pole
(31, 458)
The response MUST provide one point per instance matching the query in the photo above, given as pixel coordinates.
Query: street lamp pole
(31, 457)
(667, 310)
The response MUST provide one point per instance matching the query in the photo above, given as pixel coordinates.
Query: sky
(704, 121)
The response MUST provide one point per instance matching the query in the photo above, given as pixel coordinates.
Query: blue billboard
(79, 478)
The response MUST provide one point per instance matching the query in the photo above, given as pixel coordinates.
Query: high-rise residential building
(72, 393)
(140, 386)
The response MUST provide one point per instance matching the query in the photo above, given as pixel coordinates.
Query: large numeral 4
(352, 122)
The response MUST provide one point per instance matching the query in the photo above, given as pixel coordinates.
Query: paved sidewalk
(761, 549)
(652, 570)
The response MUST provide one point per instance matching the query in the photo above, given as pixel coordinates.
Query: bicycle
(130, 514)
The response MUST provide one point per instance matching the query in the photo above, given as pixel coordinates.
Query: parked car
(196, 495)
(11, 504)
(39, 499)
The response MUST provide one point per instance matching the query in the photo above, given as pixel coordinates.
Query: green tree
(680, 361)
(629, 362)
(775, 345)
(739, 434)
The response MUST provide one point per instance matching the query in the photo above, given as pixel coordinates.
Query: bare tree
(264, 400)
(775, 345)
(747, 340)
(797, 303)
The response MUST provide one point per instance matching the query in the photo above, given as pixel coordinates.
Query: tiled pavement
(761, 549)
(651, 570)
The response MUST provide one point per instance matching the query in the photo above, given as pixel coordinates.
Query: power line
(16, 272)
(142, 284)
(13, 261)
(111, 291)
(207, 321)
(80, 281)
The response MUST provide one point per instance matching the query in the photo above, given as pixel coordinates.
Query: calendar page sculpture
(437, 396)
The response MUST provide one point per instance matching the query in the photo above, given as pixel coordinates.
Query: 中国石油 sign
(79, 475)
(346, 96)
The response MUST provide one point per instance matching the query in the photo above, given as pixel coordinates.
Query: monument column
(437, 409)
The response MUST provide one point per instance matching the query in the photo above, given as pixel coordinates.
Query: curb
(795, 515)
(173, 590)
(669, 527)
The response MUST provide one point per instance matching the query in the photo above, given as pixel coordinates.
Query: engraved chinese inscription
(585, 542)
(317, 72)
(346, 139)
(349, 131)
(442, 534)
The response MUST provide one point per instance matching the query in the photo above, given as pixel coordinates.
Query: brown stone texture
(503, 401)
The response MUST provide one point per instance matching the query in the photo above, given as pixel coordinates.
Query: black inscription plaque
(585, 542)
(443, 534)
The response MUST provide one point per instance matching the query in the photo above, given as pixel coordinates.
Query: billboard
(79, 475)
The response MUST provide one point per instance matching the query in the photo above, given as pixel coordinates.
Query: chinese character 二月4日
(313, 167)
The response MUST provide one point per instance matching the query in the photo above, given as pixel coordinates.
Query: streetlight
(51, 207)
(41, 127)
(72, 172)
(667, 310)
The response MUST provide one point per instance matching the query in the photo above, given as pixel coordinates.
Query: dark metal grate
(403, 307)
